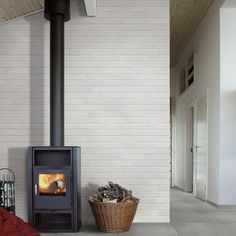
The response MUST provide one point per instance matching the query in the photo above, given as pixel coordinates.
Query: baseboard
(176, 187)
(219, 206)
(212, 204)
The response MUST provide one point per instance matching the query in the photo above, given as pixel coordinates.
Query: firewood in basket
(105, 200)
(112, 193)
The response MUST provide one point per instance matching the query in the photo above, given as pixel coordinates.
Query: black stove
(54, 189)
(54, 201)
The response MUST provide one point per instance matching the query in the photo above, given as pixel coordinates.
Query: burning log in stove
(52, 184)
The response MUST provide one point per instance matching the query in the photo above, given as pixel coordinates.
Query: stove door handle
(36, 189)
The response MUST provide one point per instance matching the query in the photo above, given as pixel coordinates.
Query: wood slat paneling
(185, 17)
(10, 9)
(116, 99)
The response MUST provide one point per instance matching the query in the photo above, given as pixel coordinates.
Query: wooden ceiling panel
(185, 18)
(10, 9)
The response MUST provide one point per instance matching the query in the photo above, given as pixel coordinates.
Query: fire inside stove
(52, 185)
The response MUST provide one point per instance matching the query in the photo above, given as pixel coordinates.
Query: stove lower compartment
(54, 200)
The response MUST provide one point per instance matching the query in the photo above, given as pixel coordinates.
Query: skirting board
(176, 187)
(227, 207)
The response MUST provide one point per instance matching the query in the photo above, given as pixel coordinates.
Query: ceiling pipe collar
(57, 7)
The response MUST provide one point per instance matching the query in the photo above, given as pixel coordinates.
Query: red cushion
(11, 225)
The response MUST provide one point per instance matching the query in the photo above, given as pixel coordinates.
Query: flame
(48, 184)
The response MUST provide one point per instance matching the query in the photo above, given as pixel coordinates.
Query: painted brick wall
(117, 98)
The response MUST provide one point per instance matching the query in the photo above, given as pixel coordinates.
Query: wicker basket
(114, 217)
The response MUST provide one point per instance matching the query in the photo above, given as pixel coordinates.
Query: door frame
(205, 93)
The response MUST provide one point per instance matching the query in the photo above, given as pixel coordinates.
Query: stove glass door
(52, 189)
(52, 184)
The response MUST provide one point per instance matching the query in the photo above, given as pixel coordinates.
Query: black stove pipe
(57, 80)
(57, 12)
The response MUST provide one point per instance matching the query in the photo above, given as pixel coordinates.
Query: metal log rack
(7, 189)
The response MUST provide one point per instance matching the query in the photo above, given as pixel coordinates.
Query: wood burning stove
(54, 171)
(54, 184)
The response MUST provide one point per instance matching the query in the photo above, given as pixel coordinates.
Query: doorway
(196, 153)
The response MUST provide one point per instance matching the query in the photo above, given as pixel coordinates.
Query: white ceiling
(185, 17)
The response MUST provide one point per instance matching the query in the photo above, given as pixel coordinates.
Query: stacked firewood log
(112, 193)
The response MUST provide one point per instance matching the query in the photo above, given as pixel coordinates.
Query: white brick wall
(117, 98)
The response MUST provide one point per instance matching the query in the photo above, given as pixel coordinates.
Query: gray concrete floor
(192, 217)
(189, 217)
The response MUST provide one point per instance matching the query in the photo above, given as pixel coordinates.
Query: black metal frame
(5, 195)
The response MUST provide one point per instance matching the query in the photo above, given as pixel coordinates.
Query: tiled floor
(192, 217)
(189, 217)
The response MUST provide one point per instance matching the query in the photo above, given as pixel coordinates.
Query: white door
(201, 147)
(189, 150)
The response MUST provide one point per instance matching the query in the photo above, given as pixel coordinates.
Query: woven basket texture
(114, 217)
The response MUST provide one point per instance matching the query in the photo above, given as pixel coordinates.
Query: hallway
(192, 217)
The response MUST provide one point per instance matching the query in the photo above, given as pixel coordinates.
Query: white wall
(206, 46)
(117, 98)
(227, 193)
